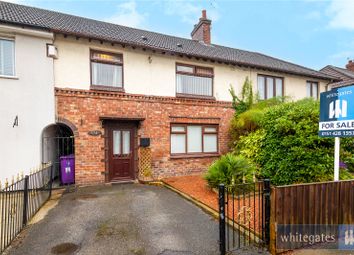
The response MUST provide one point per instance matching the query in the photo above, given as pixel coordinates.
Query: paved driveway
(122, 219)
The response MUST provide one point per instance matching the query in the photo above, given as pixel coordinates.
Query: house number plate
(94, 133)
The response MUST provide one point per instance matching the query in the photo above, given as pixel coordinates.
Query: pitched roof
(84, 27)
(345, 76)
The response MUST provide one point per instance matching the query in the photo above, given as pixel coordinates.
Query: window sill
(180, 95)
(9, 77)
(106, 88)
(203, 155)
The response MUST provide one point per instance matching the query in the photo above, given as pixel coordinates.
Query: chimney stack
(201, 31)
(350, 65)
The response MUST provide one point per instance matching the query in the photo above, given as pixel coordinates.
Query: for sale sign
(337, 112)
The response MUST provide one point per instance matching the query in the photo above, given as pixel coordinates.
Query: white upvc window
(194, 139)
(7, 57)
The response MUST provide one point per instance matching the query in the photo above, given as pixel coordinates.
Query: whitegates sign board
(337, 113)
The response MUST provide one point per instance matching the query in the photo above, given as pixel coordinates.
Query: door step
(123, 182)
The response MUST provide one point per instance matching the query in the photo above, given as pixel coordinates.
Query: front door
(121, 151)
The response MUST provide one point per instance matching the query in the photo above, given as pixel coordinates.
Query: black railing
(20, 200)
(244, 215)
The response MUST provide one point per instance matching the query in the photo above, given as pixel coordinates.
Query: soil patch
(247, 209)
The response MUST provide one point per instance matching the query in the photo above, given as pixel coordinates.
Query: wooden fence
(327, 203)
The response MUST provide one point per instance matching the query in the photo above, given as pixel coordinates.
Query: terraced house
(141, 104)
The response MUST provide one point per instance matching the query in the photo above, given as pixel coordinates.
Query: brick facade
(84, 109)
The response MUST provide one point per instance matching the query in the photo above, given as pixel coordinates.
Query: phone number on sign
(336, 133)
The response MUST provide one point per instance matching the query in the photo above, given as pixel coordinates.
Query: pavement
(130, 219)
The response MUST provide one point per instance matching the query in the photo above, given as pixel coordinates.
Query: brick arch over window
(68, 123)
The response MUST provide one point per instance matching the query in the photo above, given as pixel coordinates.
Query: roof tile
(64, 23)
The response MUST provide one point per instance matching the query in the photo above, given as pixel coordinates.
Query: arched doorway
(57, 140)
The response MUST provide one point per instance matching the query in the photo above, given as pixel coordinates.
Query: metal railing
(244, 215)
(20, 200)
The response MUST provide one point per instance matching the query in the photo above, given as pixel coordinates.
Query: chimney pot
(204, 14)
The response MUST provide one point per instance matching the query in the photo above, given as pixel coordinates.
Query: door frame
(111, 124)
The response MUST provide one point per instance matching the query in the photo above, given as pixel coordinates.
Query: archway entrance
(57, 140)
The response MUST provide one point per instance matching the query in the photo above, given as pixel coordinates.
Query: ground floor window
(194, 139)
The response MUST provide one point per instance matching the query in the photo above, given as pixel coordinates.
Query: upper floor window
(194, 139)
(312, 89)
(7, 57)
(270, 86)
(194, 80)
(106, 70)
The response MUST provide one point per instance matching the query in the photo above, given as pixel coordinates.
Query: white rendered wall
(157, 76)
(30, 96)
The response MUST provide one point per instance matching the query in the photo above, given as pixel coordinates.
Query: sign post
(337, 118)
(336, 158)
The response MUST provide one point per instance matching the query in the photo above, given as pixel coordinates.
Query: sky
(312, 33)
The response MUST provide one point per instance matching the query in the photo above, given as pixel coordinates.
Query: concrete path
(121, 219)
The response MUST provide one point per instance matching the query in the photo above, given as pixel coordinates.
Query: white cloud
(190, 11)
(341, 14)
(128, 15)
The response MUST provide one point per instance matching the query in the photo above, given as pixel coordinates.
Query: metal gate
(244, 216)
(55, 147)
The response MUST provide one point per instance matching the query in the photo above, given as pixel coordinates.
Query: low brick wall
(82, 109)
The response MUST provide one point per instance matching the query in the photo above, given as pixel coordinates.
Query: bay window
(194, 80)
(7, 57)
(194, 139)
(270, 86)
(312, 89)
(106, 70)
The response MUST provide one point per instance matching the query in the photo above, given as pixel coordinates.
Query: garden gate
(244, 215)
(55, 147)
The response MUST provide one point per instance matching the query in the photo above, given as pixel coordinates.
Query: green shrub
(250, 147)
(248, 121)
(246, 99)
(292, 151)
(229, 169)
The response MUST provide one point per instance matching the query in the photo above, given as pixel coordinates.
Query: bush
(229, 169)
(250, 147)
(248, 121)
(292, 151)
(245, 101)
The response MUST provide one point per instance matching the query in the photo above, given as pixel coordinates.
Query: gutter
(23, 31)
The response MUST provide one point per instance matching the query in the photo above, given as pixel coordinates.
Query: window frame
(311, 89)
(105, 87)
(196, 75)
(185, 132)
(274, 85)
(14, 59)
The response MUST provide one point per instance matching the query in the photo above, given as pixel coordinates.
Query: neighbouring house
(345, 76)
(26, 96)
(142, 104)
